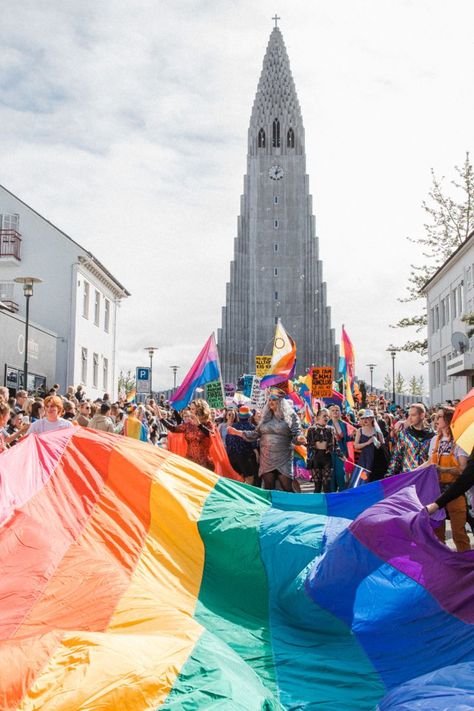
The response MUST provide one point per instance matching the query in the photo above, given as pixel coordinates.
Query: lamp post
(151, 351)
(393, 353)
(174, 368)
(371, 367)
(28, 283)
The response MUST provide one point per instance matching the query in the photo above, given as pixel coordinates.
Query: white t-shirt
(446, 447)
(44, 425)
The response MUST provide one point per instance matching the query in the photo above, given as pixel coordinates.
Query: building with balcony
(76, 304)
(449, 296)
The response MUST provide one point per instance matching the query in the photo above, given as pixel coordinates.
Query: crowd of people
(260, 444)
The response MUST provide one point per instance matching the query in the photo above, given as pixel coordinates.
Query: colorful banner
(126, 573)
(262, 365)
(321, 381)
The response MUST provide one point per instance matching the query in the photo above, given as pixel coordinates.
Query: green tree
(387, 383)
(126, 382)
(450, 219)
(469, 319)
(413, 385)
(400, 385)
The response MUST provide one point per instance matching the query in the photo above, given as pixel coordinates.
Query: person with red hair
(53, 407)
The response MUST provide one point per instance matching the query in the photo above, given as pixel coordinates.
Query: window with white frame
(432, 320)
(438, 372)
(454, 301)
(444, 372)
(95, 370)
(460, 305)
(97, 308)
(84, 366)
(443, 314)
(436, 313)
(107, 316)
(105, 374)
(85, 300)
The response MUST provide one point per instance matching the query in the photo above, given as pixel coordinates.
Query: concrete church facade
(276, 271)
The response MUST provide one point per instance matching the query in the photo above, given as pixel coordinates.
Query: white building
(77, 300)
(450, 295)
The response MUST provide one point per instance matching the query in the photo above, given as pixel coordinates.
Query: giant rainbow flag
(133, 579)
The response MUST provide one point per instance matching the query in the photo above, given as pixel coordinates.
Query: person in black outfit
(458, 488)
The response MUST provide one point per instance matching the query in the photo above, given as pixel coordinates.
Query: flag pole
(219, 367)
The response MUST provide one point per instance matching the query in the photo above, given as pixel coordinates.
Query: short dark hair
(104, 408)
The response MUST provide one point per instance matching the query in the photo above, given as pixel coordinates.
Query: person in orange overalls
(450, 460)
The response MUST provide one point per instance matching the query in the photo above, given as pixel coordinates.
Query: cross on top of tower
(276, 18)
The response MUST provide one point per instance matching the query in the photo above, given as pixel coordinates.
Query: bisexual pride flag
(133, 579)
(204, 370)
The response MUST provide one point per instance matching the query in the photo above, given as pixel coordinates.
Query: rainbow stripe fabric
(133, 579)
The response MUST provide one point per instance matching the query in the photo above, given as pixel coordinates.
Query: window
(276, 320)
(432, 320)
(84, 366)
(443, 314)
(446, 307)
(85, 300)
(275, 271)
(459, 290)
(107, 316)
(290, 138)
(7, 291)
(261, 138)
(468, 276)
(276, 294)
(438, 372)
(275, 247)
(454, 309)
(436, 319)
(95, 370)
(105, 374)
(97, 308)
(443, 369)
(275, 199)
(10, 221)
(276, 133)
(275, 224)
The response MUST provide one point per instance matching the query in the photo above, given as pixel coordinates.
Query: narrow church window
(276, 294)
(275, 199)
(275, 271)
(290, 138)
(275, 224)
(276, 133)
(275, 247)
(261, 138)
(276, 319)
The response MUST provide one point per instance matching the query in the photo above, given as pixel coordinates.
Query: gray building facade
(276, 271)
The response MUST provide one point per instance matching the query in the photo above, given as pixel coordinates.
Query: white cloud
(125, 124)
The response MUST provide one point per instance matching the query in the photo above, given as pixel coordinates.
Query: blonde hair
(203, 411)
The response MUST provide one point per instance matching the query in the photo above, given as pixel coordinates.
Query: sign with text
(247, 385)
(321, 381)
(262, 365)
(258, 396)
(143, 380)
(214, 395)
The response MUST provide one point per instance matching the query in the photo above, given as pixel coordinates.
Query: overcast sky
(125, 123)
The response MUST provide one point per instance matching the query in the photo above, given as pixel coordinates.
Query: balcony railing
(10, 243)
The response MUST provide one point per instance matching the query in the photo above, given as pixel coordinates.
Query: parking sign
(143, 381)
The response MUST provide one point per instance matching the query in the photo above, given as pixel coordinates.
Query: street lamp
(371, 366)
(151, 351)
(174, 368)
(28, 283)
(393, 353)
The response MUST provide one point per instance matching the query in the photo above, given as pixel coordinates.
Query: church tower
(276, 271)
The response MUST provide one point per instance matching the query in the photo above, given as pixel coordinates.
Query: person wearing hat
(242, 454)
(369, 441)
(278, 430)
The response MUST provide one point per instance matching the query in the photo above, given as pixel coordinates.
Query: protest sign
(214, 395)
(262, 365)
(321, 381)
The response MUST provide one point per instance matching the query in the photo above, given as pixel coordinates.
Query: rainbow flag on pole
(283, 362)
(347, 366)
(204, 370)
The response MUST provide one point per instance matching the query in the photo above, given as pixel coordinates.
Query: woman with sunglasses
(278, 430)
